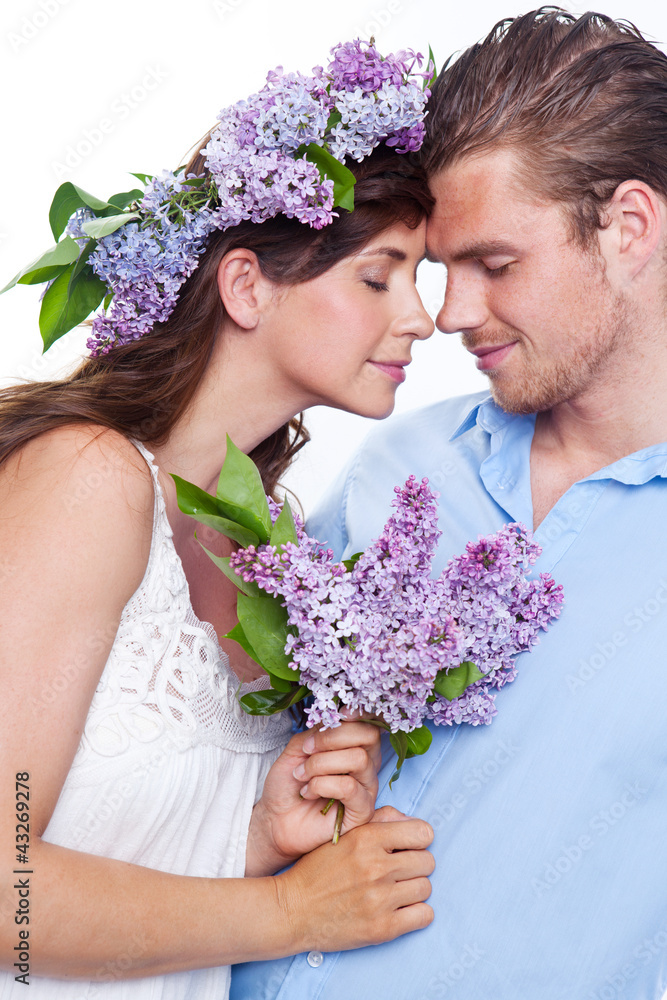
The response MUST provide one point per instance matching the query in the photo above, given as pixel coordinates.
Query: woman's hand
(316, 765)
(368, 888)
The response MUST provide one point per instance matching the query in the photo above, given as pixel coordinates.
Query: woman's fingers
(359, 804)
(355, 761)
(347, 735)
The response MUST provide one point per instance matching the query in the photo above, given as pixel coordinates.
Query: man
(547, 149)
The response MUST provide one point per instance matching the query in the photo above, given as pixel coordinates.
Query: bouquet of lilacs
(375, 633)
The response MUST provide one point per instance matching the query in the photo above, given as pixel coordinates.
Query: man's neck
(577, 438)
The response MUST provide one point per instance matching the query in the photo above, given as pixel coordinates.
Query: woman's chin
(375, 411)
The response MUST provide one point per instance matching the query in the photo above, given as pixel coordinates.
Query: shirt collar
(485, 413)
(634, 470)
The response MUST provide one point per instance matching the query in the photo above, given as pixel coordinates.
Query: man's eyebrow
(487, 248)
(392, 252)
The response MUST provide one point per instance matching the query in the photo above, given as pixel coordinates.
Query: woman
(120, 714)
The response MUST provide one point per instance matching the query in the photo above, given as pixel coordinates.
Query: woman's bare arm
(75, 528)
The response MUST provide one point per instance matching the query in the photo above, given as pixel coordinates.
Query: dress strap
(149, 459)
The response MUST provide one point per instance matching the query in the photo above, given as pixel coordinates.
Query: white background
(156, 73)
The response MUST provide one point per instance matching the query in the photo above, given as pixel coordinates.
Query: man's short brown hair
(581, 101)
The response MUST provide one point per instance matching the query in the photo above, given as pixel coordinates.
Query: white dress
(168, 768)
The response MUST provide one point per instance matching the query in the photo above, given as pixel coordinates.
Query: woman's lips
(491, 357)
(395, 371)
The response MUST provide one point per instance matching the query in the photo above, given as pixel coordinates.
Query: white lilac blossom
(257, 166)
(375, 635)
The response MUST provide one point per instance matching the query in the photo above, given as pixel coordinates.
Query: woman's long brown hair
(141, 389)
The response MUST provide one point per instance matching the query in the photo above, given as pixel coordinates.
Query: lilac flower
(258, 170)
(376, 637)
(359, 64)
(145, 265)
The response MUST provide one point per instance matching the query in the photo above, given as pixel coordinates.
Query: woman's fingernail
(303, 791)
(309, 744)
(299, 772)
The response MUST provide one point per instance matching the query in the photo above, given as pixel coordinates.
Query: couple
(545, 154)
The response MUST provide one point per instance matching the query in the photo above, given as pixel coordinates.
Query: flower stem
(340, 813)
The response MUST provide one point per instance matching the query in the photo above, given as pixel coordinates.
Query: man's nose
(464, 307)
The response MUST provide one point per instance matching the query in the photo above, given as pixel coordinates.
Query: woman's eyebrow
(392, 252)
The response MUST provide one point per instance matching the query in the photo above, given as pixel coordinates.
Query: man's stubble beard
(543, 386)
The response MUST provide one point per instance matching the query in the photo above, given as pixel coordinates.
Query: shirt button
(315, 959)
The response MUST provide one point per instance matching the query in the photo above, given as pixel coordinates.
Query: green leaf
(269, 702)
(125, 198)
(238, 635)
(222, 562)
(399, 741)
(450, 684)
(419, 740)
(284, 530)
(412, 744)
(97, 228)
(144, 178)
(350, 563)
(47, 266)
(231, 529)
(264, 621)
(334, 118)
(278, 684)
(70, 299)
(201, 506)
(431, 58)
(328, 166)
(241, 492)
(65, 202)
(82, 265)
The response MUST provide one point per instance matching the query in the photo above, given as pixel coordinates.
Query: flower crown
(281, 151)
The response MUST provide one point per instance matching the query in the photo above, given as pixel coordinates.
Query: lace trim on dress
(166, 675)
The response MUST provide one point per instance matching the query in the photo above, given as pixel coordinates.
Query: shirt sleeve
(328, 522)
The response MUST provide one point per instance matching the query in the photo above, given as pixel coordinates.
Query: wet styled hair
(142, 388)
(580, 100)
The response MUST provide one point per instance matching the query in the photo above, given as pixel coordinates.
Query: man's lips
(394, 369)
(491, 356)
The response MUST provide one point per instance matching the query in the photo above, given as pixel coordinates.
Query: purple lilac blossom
(253, 158)
(145, 263)
(375, 637)
(499, 611)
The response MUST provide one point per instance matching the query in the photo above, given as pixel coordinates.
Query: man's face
(537, 311)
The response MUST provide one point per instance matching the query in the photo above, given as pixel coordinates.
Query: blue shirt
(550, 823)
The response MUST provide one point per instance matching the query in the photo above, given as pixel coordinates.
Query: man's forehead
(483, 207)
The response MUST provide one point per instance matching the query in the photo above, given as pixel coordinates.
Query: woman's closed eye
(378, 286)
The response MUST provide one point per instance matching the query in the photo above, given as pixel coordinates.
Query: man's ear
(243, 289)
(636, 219)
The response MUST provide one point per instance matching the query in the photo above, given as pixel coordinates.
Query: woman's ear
(243, 289)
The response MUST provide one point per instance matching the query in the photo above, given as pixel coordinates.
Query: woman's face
(344, 339)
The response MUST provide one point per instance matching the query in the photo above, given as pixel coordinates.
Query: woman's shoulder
(78, 486)
(82, 457)
(75, 446)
